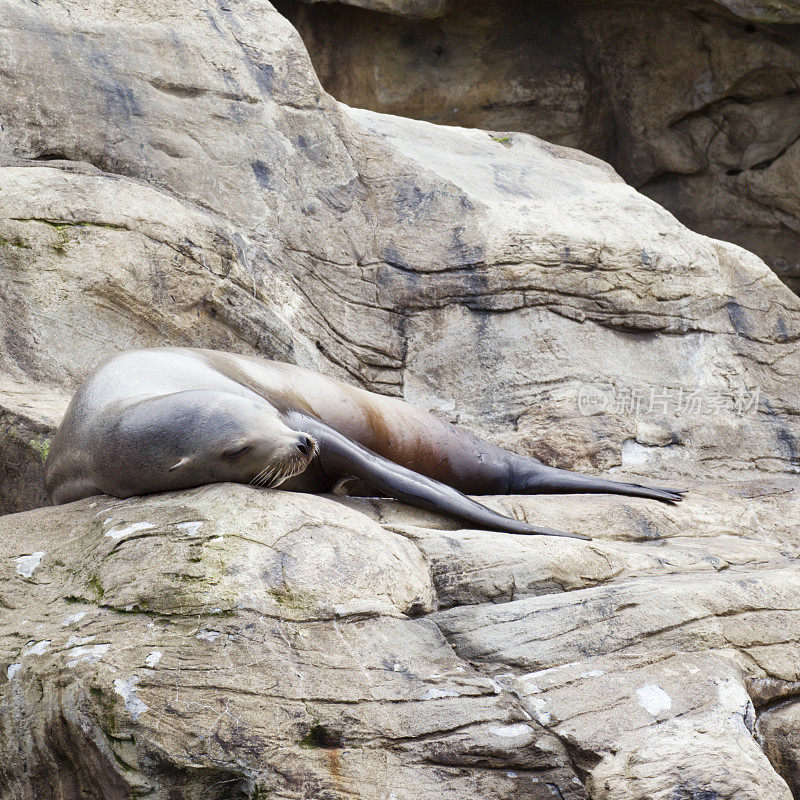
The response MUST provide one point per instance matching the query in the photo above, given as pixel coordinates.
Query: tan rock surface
(227, 641)
(541, 290)
(756, 10)
(266, 647)
(424, 9)
(764, 10)
(694, 105)
(29, 413)
(487, 279)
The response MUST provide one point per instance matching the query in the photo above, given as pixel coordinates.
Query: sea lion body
(172, 418)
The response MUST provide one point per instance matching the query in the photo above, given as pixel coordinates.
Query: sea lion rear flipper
(531, 477)
(340, 456)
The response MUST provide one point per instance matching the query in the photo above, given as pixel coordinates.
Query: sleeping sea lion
(173, 418)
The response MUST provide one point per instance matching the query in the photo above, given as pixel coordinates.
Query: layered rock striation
(232, 642)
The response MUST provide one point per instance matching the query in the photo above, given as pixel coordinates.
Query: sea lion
(173, 418)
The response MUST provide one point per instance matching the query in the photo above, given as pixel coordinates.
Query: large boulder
(228, 642)
(195, 185)
(754, 10)
(695, 104)
(29, 413)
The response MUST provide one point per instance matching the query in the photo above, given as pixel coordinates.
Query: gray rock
(227, 641)
(493, 279)
(764, 10)
(174, 173)
(419, 9)
(273, 643)
(777, 732)
(694, 105)
(768, 11)
(29, 414)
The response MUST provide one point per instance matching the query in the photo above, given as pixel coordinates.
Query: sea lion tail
(536, 478)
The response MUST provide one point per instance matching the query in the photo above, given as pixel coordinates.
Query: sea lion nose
(305, 444)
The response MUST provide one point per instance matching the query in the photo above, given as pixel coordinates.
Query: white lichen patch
(511, 731)
(126, 689)
(87, 653)
(119, 533)
(208, 636)
(13, 669)
(75, 640)
(153, 658)
(734, 698)
(288, 308)
(634, 454)
(27, 564)
(529, 681)
(37, 649)
(653, 699)
(73, 618)
(190, 528)
(539, 709)
(436, 694)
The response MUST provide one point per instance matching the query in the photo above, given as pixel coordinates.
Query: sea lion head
(197, 437)
(244, 440)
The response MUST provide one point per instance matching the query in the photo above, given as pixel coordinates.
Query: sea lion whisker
(264, 474)
(256, 477)
(266, 480)
(294, 466)
(267, 467)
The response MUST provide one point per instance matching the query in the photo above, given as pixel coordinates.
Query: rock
(708, 530)
(769, 11)
(777, 733)
(181, 177)
(105, 264)
(495, 279)
(29, 413)
(290, 644)
(274, 643)
(694, 105)
(419, 9)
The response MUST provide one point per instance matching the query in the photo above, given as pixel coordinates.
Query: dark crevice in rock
(322, 737)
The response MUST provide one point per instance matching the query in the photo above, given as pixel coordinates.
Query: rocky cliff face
(695, 104)
(174, 172)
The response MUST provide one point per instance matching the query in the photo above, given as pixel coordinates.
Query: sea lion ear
(184, 460)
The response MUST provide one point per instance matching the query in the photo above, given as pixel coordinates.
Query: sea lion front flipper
(340, 456)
